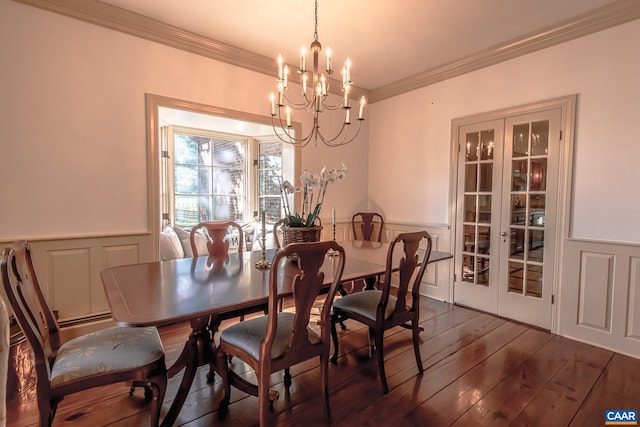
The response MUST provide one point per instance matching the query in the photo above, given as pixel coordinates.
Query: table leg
(198, 350)
(182, 360)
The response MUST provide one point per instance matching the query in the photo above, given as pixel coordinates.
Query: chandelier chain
(315, 33)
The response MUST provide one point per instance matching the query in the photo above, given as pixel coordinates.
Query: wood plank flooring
(480, 370)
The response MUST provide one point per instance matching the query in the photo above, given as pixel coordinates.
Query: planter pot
(300, 234)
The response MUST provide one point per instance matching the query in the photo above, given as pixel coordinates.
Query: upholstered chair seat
(366, 303)
(119, 348)
(247, 335)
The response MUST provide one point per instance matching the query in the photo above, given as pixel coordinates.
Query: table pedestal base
(199, 350)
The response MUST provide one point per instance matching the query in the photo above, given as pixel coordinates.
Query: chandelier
(313, 99)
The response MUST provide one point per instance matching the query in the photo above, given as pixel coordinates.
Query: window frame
(156, 161)
(211, 134)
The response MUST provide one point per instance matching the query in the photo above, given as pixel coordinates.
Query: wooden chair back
(307, 283)
(31, 310)
(279, 340)
(410, 261)
(383, 309)
(216, 233)
(368, 221)
(84, 362)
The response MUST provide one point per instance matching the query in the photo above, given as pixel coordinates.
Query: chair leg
(47, 412)
(287, 377)
(324, 378)
(334, 337)
(214, 324)
(416, 343)
(342, 290)
(263, 399)
(379, 351)
(157, 386)
(369, 283)
(223, 369)
(371, 342)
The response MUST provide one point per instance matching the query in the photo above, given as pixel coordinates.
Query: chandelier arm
(298, 105)
(288, 137)
(338, 106)
(329, 141)
(345, 138)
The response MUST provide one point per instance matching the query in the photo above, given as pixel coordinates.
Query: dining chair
(390, 306)
(111, 355)
(216, 233)
(279, 340)
(368, 222)
(216, 237)
(277, 229)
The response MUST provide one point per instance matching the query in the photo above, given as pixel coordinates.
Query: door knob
(504, 233)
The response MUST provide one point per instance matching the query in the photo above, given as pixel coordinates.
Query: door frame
(567, 105)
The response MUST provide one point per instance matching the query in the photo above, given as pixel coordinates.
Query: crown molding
(116, 18)
(608, 16)
(119, 19)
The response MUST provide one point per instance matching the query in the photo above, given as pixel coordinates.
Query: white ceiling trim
(116, 18)
(599, 19)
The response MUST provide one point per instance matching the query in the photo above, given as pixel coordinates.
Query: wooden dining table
(200, 290)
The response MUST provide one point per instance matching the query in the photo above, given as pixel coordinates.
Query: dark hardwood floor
(480, 370)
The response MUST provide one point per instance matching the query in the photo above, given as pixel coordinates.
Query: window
(217, 154)
(269, 174)
(210, 176)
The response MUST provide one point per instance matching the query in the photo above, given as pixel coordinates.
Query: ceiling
(386, 41)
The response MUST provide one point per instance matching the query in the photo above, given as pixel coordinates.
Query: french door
(506, 215)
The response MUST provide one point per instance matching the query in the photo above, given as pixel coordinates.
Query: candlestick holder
(331, 252)
(263, 263)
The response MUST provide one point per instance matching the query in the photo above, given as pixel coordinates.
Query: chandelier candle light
(315, 99)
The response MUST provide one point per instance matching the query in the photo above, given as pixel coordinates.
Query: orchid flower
(313, 188)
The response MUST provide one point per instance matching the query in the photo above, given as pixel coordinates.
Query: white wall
(72, 124)
(410, 134)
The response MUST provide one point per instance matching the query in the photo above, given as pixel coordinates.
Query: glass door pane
(478, 217)
(529, 152)
(478, 198)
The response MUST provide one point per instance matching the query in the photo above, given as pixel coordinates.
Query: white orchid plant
(313, 190)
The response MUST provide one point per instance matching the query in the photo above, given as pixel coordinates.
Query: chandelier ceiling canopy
(313, 98)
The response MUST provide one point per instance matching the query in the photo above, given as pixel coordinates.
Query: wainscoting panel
(343, 232)
(69, 270)
(111, 256)
(599, 299)
(633, 317)
(596, 286)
